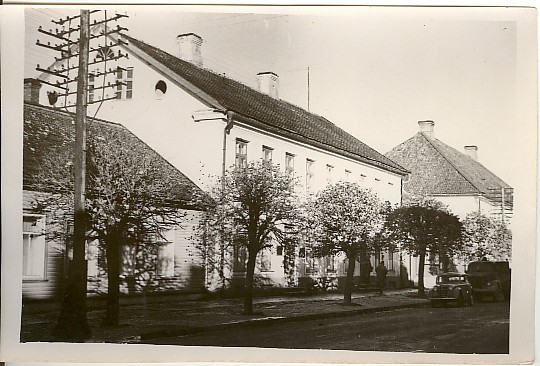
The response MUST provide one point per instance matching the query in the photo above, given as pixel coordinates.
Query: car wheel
(460, 300)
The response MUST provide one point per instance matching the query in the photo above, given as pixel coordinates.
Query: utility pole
(72, 322)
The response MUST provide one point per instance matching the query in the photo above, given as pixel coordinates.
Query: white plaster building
(457, 179)
(204, 123)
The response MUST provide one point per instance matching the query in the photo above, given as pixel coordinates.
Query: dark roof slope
(48, 135)
(267, 113)
(437, 168)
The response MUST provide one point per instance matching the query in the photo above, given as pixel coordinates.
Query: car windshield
(449, 279)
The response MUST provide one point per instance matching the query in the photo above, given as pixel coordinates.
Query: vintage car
(490, 280)
(451, 288)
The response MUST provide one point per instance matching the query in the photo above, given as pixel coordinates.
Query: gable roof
(439, 169)
(48, 135)
(262, 111)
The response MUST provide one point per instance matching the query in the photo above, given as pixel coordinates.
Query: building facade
(205, 123)
(457, 179)
(48, 225)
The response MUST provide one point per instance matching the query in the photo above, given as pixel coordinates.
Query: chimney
(189, 48)
(426, 127)
(472, 152)
(268, 83)
(31, 90)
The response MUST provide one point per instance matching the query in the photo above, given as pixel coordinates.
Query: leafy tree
(424, 227)
(344, 220)
(133, 197)
(253, 206)
(485, 237)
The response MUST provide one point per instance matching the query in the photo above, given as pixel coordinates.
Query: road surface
(482, 328)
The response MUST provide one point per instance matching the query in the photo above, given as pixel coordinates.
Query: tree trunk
(248, 291)
(347, 293)
(421, 265)
(113, 247)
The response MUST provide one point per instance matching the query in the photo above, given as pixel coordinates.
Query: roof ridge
(449, 162)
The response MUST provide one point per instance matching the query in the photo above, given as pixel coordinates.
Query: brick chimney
(472, 152)
(268, 83)
(189, 48)
(426, 127)
(31, 90)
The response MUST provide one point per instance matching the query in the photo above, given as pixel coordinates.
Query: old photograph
(342, 178)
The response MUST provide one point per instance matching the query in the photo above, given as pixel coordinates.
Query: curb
(177, 332)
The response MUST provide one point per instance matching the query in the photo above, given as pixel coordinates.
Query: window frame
(239, 154)
(39, 220)
(289, 168)
(310, 174)
(267, 151)
(124, 92)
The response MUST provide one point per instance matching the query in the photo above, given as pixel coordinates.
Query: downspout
(226, 131)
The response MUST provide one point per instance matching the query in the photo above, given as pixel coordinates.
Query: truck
(490, 279)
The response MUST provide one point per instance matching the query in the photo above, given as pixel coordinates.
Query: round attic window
(161, 88)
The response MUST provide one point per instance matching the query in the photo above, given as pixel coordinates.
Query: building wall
(50, 283)
(182, 253)
(164, 122)
(167, 124)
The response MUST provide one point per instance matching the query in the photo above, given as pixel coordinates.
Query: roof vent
(268, 83)
(189, 48)
(472, 152)
(426, 127)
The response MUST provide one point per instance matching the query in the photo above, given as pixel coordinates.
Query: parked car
(490, 279)
(451, 288)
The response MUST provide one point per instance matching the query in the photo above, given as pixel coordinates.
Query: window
(161, 89)
(124, 90)
(289, 164)
(267, 154)
(329, 170)
(266, 260)
(34, 247)
(309, 174)
(312, 263)
(241, 153)
(165, 255)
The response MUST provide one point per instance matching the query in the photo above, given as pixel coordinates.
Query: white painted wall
(386, 185)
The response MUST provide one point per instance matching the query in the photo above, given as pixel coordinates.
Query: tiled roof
(267, 113)
(49, 134)
(437, 168)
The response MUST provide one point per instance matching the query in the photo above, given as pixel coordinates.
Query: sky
(373, 71)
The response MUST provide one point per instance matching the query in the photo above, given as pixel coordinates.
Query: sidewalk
(144, 322)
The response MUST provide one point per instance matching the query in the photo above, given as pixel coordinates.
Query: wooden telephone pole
(72, 322)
